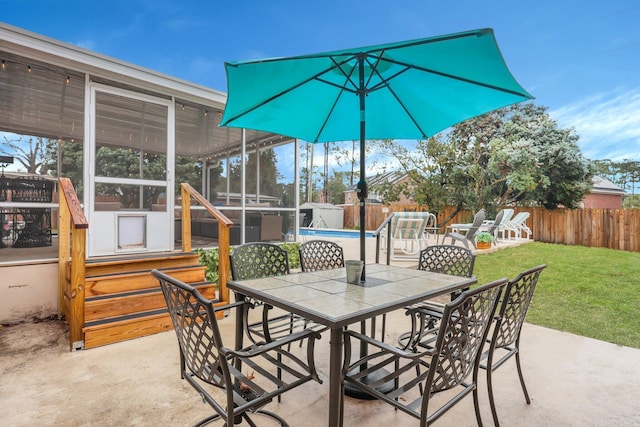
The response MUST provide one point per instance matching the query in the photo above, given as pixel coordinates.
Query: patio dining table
(326, 298)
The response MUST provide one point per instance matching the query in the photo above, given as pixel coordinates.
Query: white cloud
(86, 44)
(608, 124)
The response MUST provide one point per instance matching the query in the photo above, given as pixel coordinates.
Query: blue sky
(580, 58)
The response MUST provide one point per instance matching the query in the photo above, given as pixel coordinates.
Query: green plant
(484, 237)
(209, 258)
(293, 252)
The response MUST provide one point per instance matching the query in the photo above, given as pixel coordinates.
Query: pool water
(326, 232)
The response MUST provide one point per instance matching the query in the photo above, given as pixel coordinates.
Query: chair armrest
(387, 347)
(272, 345)
(230, 306)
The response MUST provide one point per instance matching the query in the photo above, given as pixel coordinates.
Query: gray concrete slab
(572, 380)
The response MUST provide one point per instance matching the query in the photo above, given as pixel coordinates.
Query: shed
(322, 215)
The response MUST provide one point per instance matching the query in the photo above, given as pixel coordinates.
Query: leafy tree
(539, 162)
(268, 173)
(71, 154)
(624, 173)
(336, 187)
(512, 155)
(631, 202)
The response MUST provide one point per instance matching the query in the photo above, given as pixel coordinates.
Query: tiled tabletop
(327, 298)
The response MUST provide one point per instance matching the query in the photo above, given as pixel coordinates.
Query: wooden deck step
(121, 264)
(104, 307)
(123, 300)
(137, 280)
(128, 327)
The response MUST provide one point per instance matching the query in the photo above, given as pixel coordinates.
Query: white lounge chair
(517, 227)
(499, 232)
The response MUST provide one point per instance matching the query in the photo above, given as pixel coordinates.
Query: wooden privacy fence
(605, 228)
(602, 228)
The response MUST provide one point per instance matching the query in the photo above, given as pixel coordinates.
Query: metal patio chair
(247, 376)
(446, 259)
(320, 255)
(505, 339)
(258, 260)
(443, 364)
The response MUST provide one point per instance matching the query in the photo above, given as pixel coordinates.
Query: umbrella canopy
(405, 90)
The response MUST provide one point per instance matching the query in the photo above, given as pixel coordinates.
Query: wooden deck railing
(224, 225)
(72, 232)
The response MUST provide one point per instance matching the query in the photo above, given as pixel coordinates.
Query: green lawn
(593, 292)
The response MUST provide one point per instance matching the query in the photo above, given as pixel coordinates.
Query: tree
(541, 164)
(336, 187)
(624, 173)
(71, 157)
(30, 152)
(631, 202)
(268, 171)
(512, 155)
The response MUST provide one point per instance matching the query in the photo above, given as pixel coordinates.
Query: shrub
(210, 257)
(293, 253)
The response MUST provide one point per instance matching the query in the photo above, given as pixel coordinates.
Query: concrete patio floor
(572, 381)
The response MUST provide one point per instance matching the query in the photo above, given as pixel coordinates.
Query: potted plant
(483, 240)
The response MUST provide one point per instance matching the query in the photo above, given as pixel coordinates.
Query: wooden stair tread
(139, 292)
(125, 259)
(141, 325)
(144, 271)
(124, 304)
(117, 265)
(126, 282)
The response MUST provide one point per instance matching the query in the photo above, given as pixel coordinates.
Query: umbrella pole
(362, 184)
(362, 196)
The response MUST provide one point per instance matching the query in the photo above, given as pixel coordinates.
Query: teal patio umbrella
(405, 90)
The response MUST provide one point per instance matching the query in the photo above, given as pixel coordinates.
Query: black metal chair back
(204, 360)
(320, 255)
(444, 363)
(515, 304)
(447, 259)
(256, 260)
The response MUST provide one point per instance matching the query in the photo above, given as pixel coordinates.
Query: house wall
(28, 291)
(602, 201)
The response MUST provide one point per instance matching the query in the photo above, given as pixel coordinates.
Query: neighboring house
(374, 183)
(605, 194)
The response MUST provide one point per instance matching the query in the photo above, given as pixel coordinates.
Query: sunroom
(127, 138)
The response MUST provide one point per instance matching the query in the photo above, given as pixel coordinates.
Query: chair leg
(524, 388)
(384, 326)
(476, 402)
(280, 372)
(492, 402)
